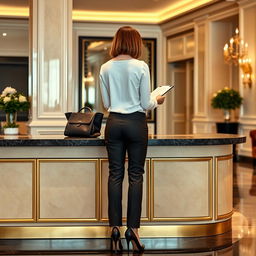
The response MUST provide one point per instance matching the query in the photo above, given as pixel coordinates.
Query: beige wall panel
(189, 44)
(104, 191)
(16, 190)
(68, 189)
(180, 80)
(225, 185)
(179, 127)
(175, 47)
(180, 188)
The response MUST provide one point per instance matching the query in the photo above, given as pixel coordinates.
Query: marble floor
(240, 242)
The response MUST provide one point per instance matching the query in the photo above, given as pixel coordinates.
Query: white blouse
(125, 86)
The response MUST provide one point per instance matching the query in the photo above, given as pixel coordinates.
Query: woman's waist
(126, 109)
(136, 114)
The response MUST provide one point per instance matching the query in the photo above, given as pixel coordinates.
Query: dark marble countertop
(154, 140)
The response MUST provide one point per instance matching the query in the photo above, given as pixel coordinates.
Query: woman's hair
(127, 40)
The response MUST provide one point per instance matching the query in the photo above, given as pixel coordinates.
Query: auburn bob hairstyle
(127, 40)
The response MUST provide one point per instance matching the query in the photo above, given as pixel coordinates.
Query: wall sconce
(246, 67)
(237, 53)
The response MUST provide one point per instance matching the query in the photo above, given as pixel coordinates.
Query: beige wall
(213, 27)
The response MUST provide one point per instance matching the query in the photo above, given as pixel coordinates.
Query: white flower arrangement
(11, 102)
(8, 90)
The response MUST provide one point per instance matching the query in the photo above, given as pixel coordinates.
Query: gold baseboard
(195, 230)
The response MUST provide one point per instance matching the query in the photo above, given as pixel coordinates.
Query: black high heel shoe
(131, 237)
(116, 244)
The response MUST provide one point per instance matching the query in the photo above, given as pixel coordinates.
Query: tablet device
(161, 90)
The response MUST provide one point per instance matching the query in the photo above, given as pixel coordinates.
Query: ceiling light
(4, 34)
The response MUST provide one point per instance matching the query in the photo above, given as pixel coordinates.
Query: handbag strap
(86, 109)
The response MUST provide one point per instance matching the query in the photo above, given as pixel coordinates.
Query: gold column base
(190, 230)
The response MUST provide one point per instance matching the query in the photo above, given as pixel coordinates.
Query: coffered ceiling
(142, 11)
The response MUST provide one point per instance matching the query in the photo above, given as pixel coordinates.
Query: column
(51, 63)
(200, 120)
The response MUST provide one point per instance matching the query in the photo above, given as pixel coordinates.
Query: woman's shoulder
(105, 66)
(139, 64)
(107, 63)
(134, 63)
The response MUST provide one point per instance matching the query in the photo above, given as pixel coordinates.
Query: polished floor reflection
(240, 242)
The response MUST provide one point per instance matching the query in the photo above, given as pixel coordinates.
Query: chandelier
(236, 52)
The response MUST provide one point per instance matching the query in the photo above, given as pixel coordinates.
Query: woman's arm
(146, 102)
(104, 93)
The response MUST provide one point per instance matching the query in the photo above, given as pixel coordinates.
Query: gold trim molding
(195, 230)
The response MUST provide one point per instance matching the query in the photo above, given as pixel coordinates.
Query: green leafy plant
(11, 125)
(226, 99)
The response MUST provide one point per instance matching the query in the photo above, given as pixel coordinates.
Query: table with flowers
(11, 102)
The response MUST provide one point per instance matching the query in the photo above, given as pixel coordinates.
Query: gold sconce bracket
(245, 65)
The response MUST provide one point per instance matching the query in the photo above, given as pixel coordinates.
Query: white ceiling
(145, 11)
(111, 5)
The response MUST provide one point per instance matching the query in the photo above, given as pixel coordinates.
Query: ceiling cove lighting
(22, 12)
(173, 10)
(114, 17)
(141, 17)
(180, 7)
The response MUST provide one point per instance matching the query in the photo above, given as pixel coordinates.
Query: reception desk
(56, 187)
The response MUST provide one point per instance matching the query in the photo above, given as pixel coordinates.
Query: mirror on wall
(93, 52)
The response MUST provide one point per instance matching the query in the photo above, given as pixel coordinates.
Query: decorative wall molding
(14, 52)
(202, 14)
(176, 30)
(225, 14)
(246, 3)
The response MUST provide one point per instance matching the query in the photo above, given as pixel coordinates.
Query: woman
(125, 89)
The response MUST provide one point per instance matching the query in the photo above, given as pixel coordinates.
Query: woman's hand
(160, 99)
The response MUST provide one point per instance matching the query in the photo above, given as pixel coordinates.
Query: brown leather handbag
(87, 124)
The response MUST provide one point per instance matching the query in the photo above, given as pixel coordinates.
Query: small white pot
(11, 131)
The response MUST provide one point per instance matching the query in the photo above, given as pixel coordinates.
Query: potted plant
(11, 102)
(227, 99)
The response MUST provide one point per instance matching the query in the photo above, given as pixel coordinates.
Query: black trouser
(126, 132)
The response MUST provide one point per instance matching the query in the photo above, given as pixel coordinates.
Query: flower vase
(11, 128)
(227, 115)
